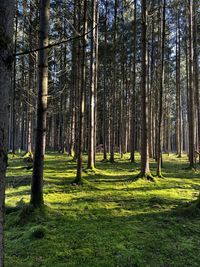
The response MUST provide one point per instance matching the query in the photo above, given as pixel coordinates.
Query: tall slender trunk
(96, 77)
(161, 87)
(38, 165)
(30, 86)
(73, 113)
(196, 72)
(191, 83)
(105, 131)
(91, 139)
(133, 102)
(14, 86)
(82, 100)
(113, 105)
(7, 8)
(152, 91)
(178, 92)
(145, 170)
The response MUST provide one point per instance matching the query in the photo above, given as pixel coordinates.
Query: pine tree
(7, 8)
(38, 166)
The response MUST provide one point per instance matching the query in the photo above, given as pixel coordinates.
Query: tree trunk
(30, 86)
(113, 105)
(196, 72)
(133, 102)
(161, 89)
(37, 179)
(14, 87)
(78, 179)
(105, 84)
(91, 139)
(73, 113)
(145, 171)
(6, 35)
(191, 84)
(178, 92)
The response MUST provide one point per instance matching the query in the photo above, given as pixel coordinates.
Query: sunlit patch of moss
(110, 220)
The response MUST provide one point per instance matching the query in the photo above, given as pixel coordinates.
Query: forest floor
(109, 221)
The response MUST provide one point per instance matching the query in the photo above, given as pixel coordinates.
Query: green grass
(111, 220)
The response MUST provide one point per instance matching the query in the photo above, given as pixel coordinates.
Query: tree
(14, 85)
(91, 141)
(30, 83)
(145, 170)
(107, 93)
(7, 9)
(161, 89)
(178, 87)
(38, 165)
(196, 72)
(105, 80)
(114, 88)
(191, 82)
(133, 115)
(78, 179)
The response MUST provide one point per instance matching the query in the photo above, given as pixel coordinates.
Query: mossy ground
(111, 220)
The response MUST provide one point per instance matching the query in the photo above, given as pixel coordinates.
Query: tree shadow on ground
(96, 236)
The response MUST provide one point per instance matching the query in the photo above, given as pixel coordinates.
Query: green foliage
(36, 232)
(110, 220)
(28, 155)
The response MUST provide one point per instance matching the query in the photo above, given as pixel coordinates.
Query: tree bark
(78, 179)
(133, 102)
(14, 86)
(145, 170)
(7, 9)
(113, 105)
(191, 83)
(178, 92)
(38, 166)
(196, 72)
(105, 84)
(30, 85)
(91, 139)
(161, 89)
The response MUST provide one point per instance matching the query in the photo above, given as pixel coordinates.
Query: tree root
(146, 176)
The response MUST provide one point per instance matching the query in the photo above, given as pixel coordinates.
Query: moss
(36, 232)
(108, 220)
(147, 176)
